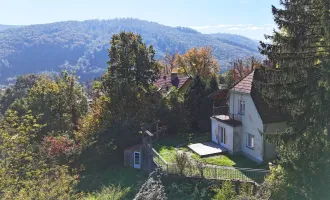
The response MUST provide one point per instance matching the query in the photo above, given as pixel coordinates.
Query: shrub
(182, 161)
(111, 192)
(200, 167)
(60, 148)
(227, 192)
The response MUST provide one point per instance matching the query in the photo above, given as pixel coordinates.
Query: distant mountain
(5, 27)
(82, 46)
(237, 40)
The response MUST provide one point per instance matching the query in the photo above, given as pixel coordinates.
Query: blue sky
(251, 18)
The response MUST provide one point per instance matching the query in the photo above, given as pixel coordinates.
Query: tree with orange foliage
(240, 68)
(198, 62)
(244, 67)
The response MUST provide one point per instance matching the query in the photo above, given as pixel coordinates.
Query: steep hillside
(82, 46)
(237, 40)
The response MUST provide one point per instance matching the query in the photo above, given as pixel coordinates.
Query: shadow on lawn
(243, 162)
(116, 175)
(257, 172)
(255, 175)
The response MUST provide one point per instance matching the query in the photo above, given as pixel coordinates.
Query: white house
(249, 117)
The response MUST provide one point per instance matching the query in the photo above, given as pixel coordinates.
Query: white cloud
(223, 25)
(249, 30)
(235, 27)
(256, 28)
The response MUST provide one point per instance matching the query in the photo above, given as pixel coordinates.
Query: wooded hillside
(82, 46)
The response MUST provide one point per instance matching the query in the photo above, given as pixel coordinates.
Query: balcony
(224, 110)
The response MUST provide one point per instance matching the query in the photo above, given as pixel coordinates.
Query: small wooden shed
(140, 156)
(133, 156)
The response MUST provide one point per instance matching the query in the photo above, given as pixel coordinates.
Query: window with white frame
(222, 135)
(250, 140)
(241, 107)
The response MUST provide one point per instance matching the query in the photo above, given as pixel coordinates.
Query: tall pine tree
(298, 83)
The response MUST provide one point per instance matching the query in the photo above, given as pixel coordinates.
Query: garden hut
(132, 156)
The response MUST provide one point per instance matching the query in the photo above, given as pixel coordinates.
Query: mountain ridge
(5, 27)
(82, 45)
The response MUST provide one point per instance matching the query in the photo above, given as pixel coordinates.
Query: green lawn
(229, 160)
(166, 149)
(168, 153)
(166, 146)
(122, 181)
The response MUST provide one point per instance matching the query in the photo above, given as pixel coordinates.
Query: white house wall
(229, 134)
(251, 123)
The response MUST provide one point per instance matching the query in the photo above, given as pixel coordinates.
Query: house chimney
(175, 78)
(174, 74)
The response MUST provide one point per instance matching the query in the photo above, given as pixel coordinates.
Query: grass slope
(117, 181)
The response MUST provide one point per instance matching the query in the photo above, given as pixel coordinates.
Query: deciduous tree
(198, 62)
(60, 103)
(131, 61)
(24, 174)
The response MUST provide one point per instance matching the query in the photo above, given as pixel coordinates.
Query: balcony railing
(237, 117)
(224, 110)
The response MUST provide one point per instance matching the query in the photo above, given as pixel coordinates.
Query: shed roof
(136, 147)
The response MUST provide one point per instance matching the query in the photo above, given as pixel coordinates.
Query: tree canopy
(198, 62)
(298, 83)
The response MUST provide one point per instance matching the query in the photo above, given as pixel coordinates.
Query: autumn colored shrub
(60, 148)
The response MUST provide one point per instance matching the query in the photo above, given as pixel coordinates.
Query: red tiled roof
(267, 113)
(161, 83)
(245, 84)
(219, 94)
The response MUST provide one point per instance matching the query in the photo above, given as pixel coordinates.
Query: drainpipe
(233, 106)
(263, 142)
